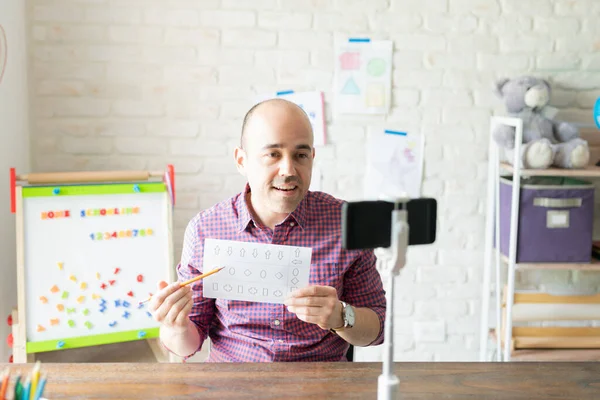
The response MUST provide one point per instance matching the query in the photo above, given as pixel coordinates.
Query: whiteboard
(86, 271)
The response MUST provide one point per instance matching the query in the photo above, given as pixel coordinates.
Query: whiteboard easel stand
(493, 199)
(19, 327)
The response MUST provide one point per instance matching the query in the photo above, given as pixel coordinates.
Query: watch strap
(344, 320)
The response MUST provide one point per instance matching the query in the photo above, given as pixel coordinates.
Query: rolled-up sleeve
(363, 288)
(190, 266)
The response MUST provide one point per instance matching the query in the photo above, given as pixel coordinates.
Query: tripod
(393, 260)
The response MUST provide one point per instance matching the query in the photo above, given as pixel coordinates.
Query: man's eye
(303, 155)
(272, 154)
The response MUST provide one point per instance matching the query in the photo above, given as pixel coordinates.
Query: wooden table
(436, 381)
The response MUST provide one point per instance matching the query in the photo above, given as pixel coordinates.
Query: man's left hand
(316, 305)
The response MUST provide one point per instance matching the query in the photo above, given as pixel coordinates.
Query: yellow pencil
(182, 284)
(35, 378)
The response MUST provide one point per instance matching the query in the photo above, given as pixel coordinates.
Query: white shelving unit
(492, 250)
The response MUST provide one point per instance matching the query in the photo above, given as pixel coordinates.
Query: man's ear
(239, 156)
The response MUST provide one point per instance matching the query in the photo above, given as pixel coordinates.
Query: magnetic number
(121, 234)
(96, 236)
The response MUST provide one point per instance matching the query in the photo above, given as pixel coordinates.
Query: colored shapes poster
(363, 76)
(394, 164)
(313, 104)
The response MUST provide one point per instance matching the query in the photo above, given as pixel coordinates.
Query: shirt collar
(299, 214)
(245, 216)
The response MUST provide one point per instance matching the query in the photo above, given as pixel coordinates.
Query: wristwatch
(347, 316)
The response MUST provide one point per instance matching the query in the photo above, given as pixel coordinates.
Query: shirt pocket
(326, 274)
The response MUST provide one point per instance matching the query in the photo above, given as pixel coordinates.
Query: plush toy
(545, 142)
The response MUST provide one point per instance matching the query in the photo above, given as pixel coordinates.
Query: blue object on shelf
(56, 190)
(136, 188)
(597, 113)
(60, 344)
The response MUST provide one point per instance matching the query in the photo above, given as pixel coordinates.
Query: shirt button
(292, 224)
(276, 322)
(280, 341)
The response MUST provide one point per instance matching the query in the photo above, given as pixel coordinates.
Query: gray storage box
(556, 217)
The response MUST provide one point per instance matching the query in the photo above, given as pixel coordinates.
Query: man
(276, 156)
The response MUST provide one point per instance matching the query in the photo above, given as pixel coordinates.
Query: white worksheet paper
(258, 272)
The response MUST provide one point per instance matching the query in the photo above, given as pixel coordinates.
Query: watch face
(349, 315)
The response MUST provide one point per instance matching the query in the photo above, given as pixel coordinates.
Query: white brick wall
(139, 84)
(14, 152)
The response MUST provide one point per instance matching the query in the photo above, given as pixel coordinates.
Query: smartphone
(368, 224)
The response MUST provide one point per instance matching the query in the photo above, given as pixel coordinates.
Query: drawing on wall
(3, 52)
(394, 164)
(313, 104)
(363, 76)
(256, 272)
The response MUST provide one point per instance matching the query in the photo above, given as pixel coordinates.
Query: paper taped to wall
(363, 76)
(394, 164)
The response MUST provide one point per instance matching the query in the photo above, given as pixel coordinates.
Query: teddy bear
(546, 142)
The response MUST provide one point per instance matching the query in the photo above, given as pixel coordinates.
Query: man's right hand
(171, 306)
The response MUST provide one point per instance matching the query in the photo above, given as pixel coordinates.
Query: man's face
(277, 159)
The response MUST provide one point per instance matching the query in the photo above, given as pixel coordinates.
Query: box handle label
(557, 203)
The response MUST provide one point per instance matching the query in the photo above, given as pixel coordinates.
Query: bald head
(274, 112)
(276, 156)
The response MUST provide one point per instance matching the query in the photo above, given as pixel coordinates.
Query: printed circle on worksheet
(376, 67)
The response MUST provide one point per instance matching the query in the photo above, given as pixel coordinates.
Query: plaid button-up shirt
(242, 331)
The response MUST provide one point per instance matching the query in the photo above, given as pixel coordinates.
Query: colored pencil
(35, 378)
(17, 388)
(5, 379)
(40, 389)
(27, 389)
(182, 284)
